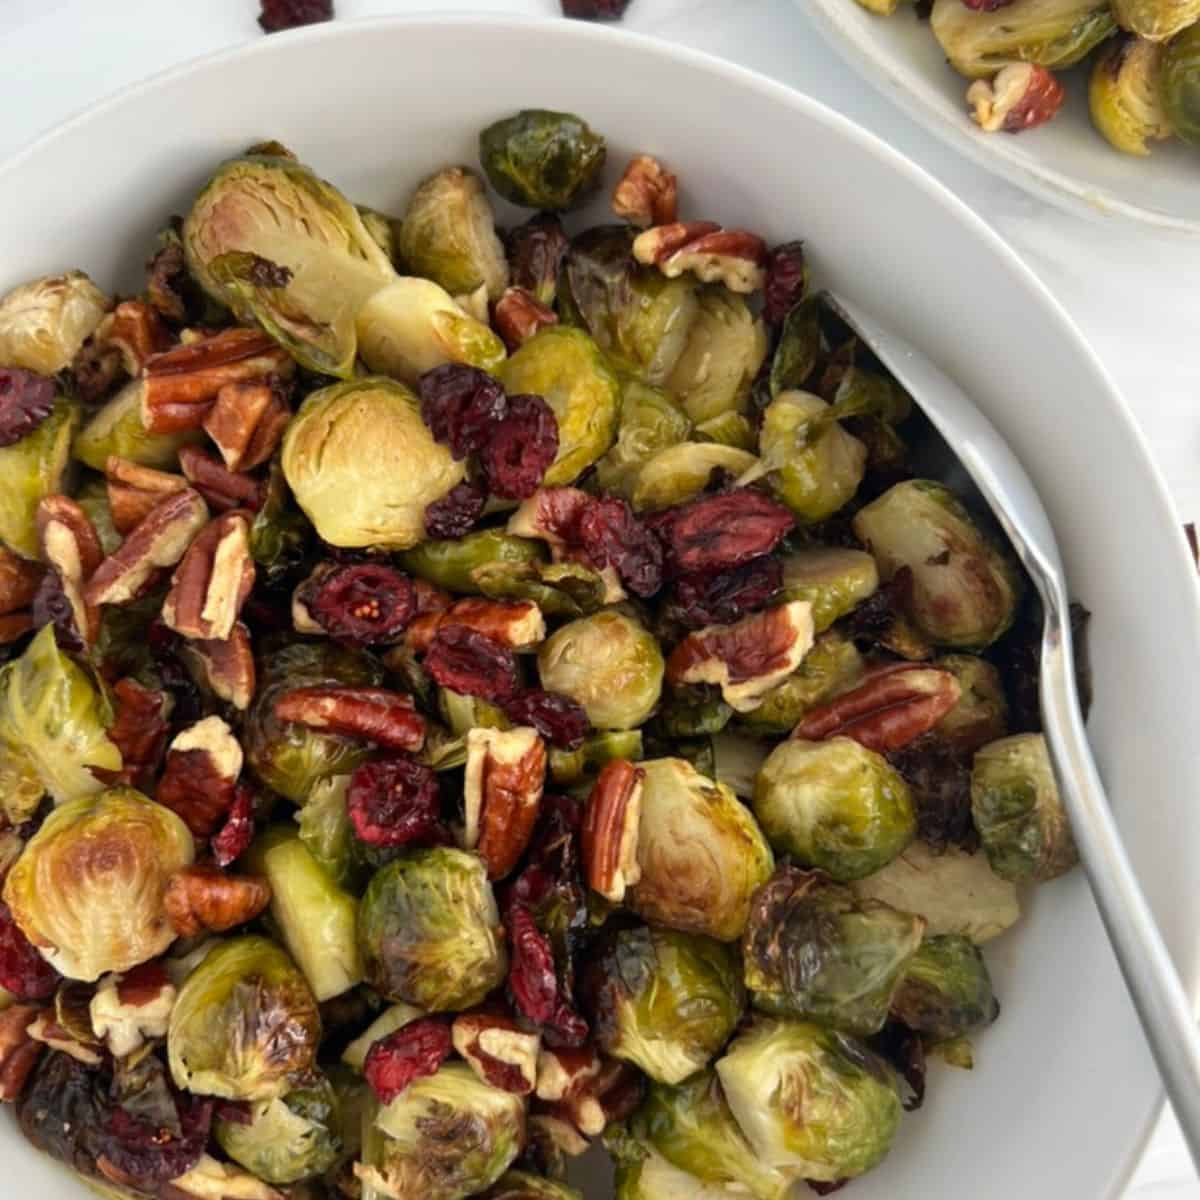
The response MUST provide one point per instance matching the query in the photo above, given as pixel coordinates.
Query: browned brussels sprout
(1180, 85)
(43, 323)
(946, 990)
(542, 159)
(1125, 95)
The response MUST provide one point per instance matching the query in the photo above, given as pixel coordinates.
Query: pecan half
(158, 540)
(498, 1050)
(730, 256)
(128, 1010)
(46, 1029)
(892, 706)
(71, 547)
(518, 624)
(226, 667)
(133, 490)
(19, 579)
(247, 422)
(18, 1051)
(203, 899)
(222, 488)
(563, 1071)
(749, 657)
(646, 194)
(376, 715)
(139, 732)
(506, 771)
(202, 768)
(1019, 97)
(610, 830)
(213, 581)
(519, 315)
(611, 1094)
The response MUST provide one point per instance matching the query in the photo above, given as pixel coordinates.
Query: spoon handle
(1154, 986)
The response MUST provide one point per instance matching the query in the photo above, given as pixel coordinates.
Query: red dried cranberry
(787, 277)
(235, 1112)
(144, 1154)
(613, 536)
(51, 607)
(456, 512)
(23, 971)
(531, 974)
(700, 600)
(462, 406)
(595, 10)
(235, 836)
(289, 14)
(364, 603)
(521, 448)
(535, 253)
(558, 718)
(393, 802)
(26, 400)
(414, 1051)
(471, 663)
(716, 533)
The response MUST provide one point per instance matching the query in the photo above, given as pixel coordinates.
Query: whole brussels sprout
(287, 1138)
(454, 563)
(834, 805)
(364, 467)
(117, 429)
(680, 472)
(567, 369)
(964, 589)
(1180, 84)
(43, 323)
(833, 579)
(813, 950)
(1050, 33)
(325, 828)
(32, 469)
(811, 1100)
(521, 1185)
(700, 852)
(1018, 812)
(571, 766)
(542, 159)
(245, 1025)
(1156, 20)
(607, 662)
(1125, 95)
(88, 888)
(650, 421)
(946, 990)
(980, 714)
(815, 465)
(449, 234)
(445, 1137)
(664, 1001)
(429, 931)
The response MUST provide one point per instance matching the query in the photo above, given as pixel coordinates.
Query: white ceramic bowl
(1066, 161)
(1064, 1093)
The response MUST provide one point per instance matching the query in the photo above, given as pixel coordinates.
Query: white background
(1136, 295)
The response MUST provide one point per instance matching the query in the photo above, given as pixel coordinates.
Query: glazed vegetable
(522, 1185)
(1125, 95)
(650, 421)
(542, 159)
(325, 828)
(455, 563)
(981, 713)
(833, 579)
(1156, 20)
(681, 472)
(43, 323)
(946, 990)
(33, 468)
(643, 1174)
(117, 429)
(1180, 84)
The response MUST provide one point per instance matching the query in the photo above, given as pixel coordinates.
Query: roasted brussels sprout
(700, 852)
(833, 579)
(567, 369)
(449, 235)
(643, 1174)
(382, 229)
(813, 950)
(542, 159)
(946, 990)
(117, 429)
(1050, 33)
(834, 805)
(730, 429)
(1125, 95)
(464, 713)
(32, 469)
(88, 888)
(565, 589)
(1018, 812)
(92, 497)
(364, 467)
(43, 323)
(964, 590)
(287, 1138)
(680, 472)
(245, 1026)
(570, 766)
(811, 1100)
(453, 564)
(664, 1001)
(325, 827)
(279, 534)
(429, 931)
(1180, 84)
(1156, 20)
(608, 663)
(798, 348)
(445, 1137)
(521, 1185)
(981, 713)
(650, 421)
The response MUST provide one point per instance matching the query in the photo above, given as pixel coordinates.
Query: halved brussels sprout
(691, 712)
(565, 589)
(680, 472)
(663, 1000)
(570, 766)
(834, 805)
(363, 465)
(1125, 95)
(813, 950)
(429, 931)
(607, 662)
(964, 589)
(449, 234)
(32, 469)
(382, 229)
(643, 1174)
(117, 429)
(445, 1137)
(567, 369)
(946, 990)
(833, 579)
(1050, 33)
(981, 712)
(325, 827)
(453, 564)
(798, 349)
(650, 421)
(521, 1185)
(1018, 812)
(1180, 85)
(388, 1021)
(701, 854)
(43, 323)
(464, 713)
(1156, 20)
(88, 888)
(287, 1138)
(245, 1026)
(811, 1100)
(730, 429)
(542, 159)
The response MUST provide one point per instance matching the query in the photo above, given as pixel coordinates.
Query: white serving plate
(1064, 1093)
(1065, 161)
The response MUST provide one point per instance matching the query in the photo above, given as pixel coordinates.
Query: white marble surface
(1133, 293)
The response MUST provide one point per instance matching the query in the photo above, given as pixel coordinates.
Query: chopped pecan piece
(222, 488)
(730, 256)
(610, 830)
(19, 579)
(133, 490)
(646, 194)
(46, 1029)
(506, 771)
(749, 657)
(225, 667)
(546, 1124)
(498, 1050)
(374, 714)
(247, 422)
(519, 315)
(563, 1071)
(1020, 96)
(611, 1095)
(518, 624)
(203, 899)
(18, 1051)
(213, 581)
(71, 547)
(198, 784)
(136, 332)
(139, 732)
(128, 1010)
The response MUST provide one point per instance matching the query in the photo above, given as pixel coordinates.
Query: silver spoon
(1000, 480)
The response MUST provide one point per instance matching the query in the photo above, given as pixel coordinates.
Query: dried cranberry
(26, 400)
(613, 536)
(700, 600)
(558, 718)
(23, 971)
(393, 802)
(826, 1189)
(787, 278)
(235, 836)
(414, 1051)
(52, 607)
(235, 1112)
(289, 14)
(364, 603)
(462, 406)
(471, 663)
(145, 1153)
(531, 974)
(456, 512)
(595, 10)
(717, 533)
(535, 253)
(521, 448)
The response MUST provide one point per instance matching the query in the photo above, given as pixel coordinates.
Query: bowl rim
(778, 92)
(894, 80)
